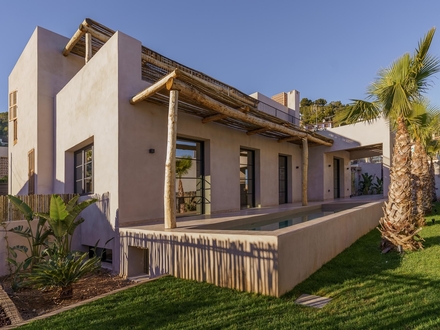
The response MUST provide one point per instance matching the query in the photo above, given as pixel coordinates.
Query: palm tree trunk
(432, 181)
(397, 226)
(426, 183)
(417, 168)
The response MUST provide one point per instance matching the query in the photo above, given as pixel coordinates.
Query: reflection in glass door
(189, 177)
(282, 179)
(247, 187)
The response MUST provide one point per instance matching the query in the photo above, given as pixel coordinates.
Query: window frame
(83, 165)
(31, 172)
(13, 114)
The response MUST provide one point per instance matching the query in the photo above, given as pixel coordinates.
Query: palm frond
(359, 110)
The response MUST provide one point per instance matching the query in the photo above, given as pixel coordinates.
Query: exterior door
(247, 178)
(282, 179)
(336, 178)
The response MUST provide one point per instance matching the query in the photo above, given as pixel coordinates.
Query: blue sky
(324, 49)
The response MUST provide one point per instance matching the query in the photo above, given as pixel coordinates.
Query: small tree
(63, 221)
(61, 267)
(36, 239)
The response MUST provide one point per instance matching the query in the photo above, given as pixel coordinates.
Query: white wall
(87, 112)
(40, 72)
(364, 134)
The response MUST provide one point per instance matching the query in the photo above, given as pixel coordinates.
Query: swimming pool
(279, 222)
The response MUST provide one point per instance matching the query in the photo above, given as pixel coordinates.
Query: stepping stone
(312, 301)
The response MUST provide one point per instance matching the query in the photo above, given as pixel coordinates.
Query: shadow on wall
(97, 226)
(244, 264)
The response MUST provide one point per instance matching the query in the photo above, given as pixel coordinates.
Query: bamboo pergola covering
(156, 66)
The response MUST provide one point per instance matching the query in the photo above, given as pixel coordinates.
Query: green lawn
(369, 291)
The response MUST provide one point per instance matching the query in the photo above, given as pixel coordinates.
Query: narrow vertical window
(84, 171)
(13, 114)
(31, 172)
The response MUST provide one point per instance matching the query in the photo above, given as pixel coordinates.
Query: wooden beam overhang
(242, 108)
(213, 118)
(85, 27)
(153, 89)
(221, 108)
(172, 83)
(287, 139)
(257, 131)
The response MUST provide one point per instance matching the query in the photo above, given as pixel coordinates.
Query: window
(13, 113)
(31, 172)
(190, 183)
(84, 171)
(247, 177)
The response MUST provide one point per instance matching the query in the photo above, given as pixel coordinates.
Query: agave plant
(61, 271)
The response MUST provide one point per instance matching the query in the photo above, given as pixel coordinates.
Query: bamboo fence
(38, 203)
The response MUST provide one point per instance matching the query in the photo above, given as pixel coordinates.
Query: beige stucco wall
(303, 251)
(40, 72)
(10, 239)
(364, 134)
(92, 118)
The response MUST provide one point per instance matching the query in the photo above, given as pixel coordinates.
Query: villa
(100, 114)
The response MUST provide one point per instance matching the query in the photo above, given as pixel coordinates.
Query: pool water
(278, 223)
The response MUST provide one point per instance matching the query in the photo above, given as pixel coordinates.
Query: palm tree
(421, 128)
(183, 165)
(419, 165)
(433, 150)
(392, 95)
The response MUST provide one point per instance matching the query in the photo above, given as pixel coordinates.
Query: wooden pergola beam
(210, 103)
(213, 118)
(257, 131)
(153, 89)
(85, 28)
(76, 37)
(287, 139)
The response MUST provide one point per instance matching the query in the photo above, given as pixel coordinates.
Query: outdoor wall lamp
(151, 151)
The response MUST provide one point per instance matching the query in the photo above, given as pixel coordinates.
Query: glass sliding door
(247, 178)
(189, 177)
(282, 179)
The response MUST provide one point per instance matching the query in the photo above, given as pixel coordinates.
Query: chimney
(280, 98)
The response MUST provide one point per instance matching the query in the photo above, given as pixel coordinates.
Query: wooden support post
(305, 165)
(88, 47)
(170, 163)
